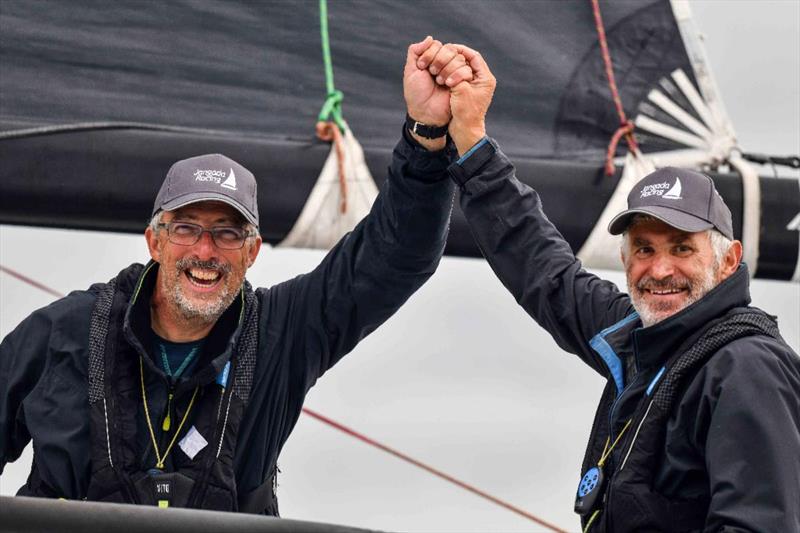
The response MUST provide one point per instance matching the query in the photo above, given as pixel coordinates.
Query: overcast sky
(460, 378)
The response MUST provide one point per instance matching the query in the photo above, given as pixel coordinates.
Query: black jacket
(733, 442)
(305, 326)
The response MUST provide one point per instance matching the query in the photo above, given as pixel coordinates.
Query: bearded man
(176, 383)
(698, 428)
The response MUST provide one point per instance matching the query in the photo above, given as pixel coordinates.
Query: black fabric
(205, 480)
(305, 326)
(741, 407)
(635, 505)
(99, 101)
(255, 68)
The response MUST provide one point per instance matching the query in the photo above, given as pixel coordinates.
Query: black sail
(97, 100)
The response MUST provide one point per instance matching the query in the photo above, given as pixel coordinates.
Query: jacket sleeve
(748, 426)
(375, 268)
(43, 362)
(23, 353)
(530, 256)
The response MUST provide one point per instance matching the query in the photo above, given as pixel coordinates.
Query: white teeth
(672, 291)
(205, 275)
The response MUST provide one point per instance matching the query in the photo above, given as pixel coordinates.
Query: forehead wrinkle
(195, 214)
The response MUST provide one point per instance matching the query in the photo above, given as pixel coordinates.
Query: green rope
(333, 104)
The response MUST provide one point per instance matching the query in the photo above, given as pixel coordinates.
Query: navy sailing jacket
(733, 441)
(305, 326)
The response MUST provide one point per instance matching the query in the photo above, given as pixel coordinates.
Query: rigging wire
(791, 161)
(431, 470)
(626, 126)
(30, 282)
(355, 434)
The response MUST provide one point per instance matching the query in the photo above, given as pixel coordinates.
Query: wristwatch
(424, 130)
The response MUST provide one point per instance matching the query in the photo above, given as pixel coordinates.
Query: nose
(205, 247)
(661, 266)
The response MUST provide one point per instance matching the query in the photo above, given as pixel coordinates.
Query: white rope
(108, 434)
(751, 210)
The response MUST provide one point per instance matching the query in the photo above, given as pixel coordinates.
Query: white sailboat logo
(230, 183)
(675, 191)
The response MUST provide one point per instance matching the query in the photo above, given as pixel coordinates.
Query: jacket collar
(218, 346)
(654, 345)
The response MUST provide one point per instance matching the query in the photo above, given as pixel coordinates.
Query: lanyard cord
(159, 457)
(184, 364)
(606, 452)
(165, 360)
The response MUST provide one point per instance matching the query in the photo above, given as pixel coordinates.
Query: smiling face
(668, 269)
(197, 283)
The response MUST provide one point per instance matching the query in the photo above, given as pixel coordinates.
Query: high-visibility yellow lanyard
(159, 458)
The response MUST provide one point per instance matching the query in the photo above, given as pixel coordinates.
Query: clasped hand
(448, 84)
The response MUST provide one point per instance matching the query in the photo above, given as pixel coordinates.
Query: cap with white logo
(209, 177)
(682, 198)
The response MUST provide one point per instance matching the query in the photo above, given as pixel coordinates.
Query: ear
(252, 253)
(152, 244)
(731, 259)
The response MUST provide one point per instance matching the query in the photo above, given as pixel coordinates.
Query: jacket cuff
(471, 162)
(422, 162)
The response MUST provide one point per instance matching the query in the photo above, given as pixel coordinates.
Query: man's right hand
(428, 98)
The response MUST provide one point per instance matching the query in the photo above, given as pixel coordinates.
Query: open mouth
(202, 277)
(665, 292)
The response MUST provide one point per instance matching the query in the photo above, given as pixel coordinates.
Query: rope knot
(626, 130)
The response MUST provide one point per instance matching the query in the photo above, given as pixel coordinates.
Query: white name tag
(192, 443)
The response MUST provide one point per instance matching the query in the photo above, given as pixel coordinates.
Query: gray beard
(206, 311)
(651, 315)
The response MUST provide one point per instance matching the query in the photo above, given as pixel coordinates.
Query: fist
(431, 70)
(470, 100)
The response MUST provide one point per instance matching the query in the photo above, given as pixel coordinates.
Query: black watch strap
(423, 130)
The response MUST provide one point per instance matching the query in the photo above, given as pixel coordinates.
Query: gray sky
(460, 378)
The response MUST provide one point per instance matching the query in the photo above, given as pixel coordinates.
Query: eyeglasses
(187, 234)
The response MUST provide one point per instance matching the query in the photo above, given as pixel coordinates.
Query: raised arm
(374, 269)
(522, 246)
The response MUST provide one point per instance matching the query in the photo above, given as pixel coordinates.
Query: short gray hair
(155, 221)
(720, 244)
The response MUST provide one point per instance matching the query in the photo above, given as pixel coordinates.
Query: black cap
(682, 198)
(209, 177)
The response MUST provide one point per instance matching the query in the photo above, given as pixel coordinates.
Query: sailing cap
(682, 198)
(209, 177)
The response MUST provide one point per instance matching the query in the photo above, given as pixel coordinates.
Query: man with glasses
(176, 384)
